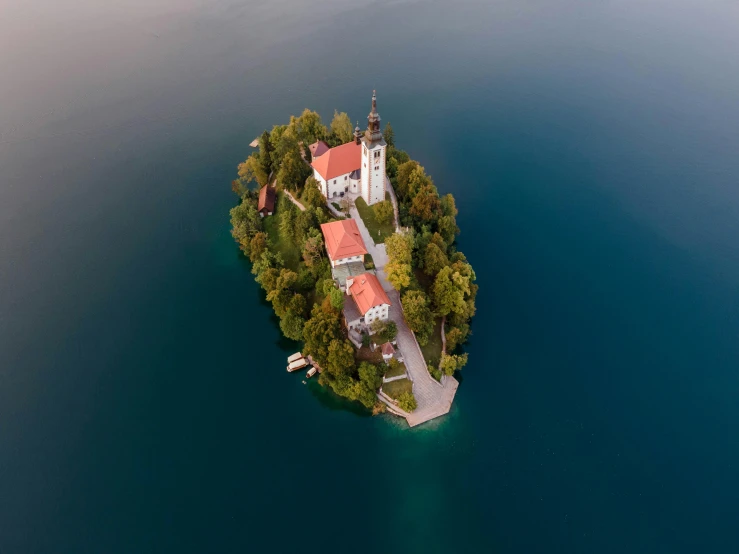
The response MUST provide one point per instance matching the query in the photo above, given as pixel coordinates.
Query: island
(356, 251)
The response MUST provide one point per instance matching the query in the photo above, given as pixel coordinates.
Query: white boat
(311, 372)
(296, 365)
(294, 358)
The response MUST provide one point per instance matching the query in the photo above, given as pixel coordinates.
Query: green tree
(287, 223)
(291, 325)
(245, 223)
(405, 170)
(323, 327)
(435, 260)
(312, 193)
(456, 336)
(449, 290)
(452, 362)
(383, 331)
(418, 315)
(389, 135)
(293, 171)
(407, 401)
(399, 247)
(340, 357)
(257, 246)
(253, 170)
(307, 127)
(313, 248)
(342, 126)
(383, 212)
(265, 151)
(281, 293)
(425, 204)
(337, 298)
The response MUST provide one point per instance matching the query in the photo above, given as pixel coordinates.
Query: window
(334, 181)
(345, 177)
(377, 154)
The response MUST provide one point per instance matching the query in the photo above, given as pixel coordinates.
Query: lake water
(593, 151)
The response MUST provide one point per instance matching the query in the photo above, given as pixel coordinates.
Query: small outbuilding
(266, 205)
(387, 351)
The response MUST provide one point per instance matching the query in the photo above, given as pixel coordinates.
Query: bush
(407, 402)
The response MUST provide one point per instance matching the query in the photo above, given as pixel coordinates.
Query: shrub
(407, 402)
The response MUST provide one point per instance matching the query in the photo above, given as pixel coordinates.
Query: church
(357, 167)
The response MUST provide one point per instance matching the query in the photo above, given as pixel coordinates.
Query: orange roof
(342, 239)
(339, 160)
(367, 292)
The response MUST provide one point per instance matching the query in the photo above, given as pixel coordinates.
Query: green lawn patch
(377, 231)
(284, 245)
(395, 372)
(335, 205)
(432, 350)
(396, 388)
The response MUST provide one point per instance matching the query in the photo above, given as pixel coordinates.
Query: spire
(357, 133)
(373, 133)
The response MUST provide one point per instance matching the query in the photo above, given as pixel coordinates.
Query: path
(298, 204)
(434, 399)
(394, 200)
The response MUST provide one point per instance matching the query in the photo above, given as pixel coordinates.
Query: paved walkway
(434, 399)
(298, 204)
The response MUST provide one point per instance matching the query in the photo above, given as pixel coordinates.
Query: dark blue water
(592, 148)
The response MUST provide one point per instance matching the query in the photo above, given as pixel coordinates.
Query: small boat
(294, 358)
(296, 365)
(311, 372)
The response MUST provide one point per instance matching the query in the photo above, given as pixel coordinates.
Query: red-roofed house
(266, 204)
(337, 169)
(371, 300)
(343, 241)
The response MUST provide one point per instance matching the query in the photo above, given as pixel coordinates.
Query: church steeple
(373, 133)
(357, 134)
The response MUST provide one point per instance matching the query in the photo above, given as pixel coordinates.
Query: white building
(343, 242)
(357, 166)
(370, 302)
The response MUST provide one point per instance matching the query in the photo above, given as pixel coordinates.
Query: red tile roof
(367, 292)
(339, 160)
(266, 199)
(342, 239)
(318, 148)
(387, 349)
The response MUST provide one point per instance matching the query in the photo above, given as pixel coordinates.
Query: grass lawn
(400, 370)
(432, 351)
(377, 231)
(369, 263)
(335, 205)
(396, 388)
(286, 247)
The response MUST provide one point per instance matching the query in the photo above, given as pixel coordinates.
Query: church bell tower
(373, 158)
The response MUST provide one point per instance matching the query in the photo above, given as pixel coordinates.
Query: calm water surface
(592, 148)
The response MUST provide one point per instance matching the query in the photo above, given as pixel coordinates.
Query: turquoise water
(592, 151)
